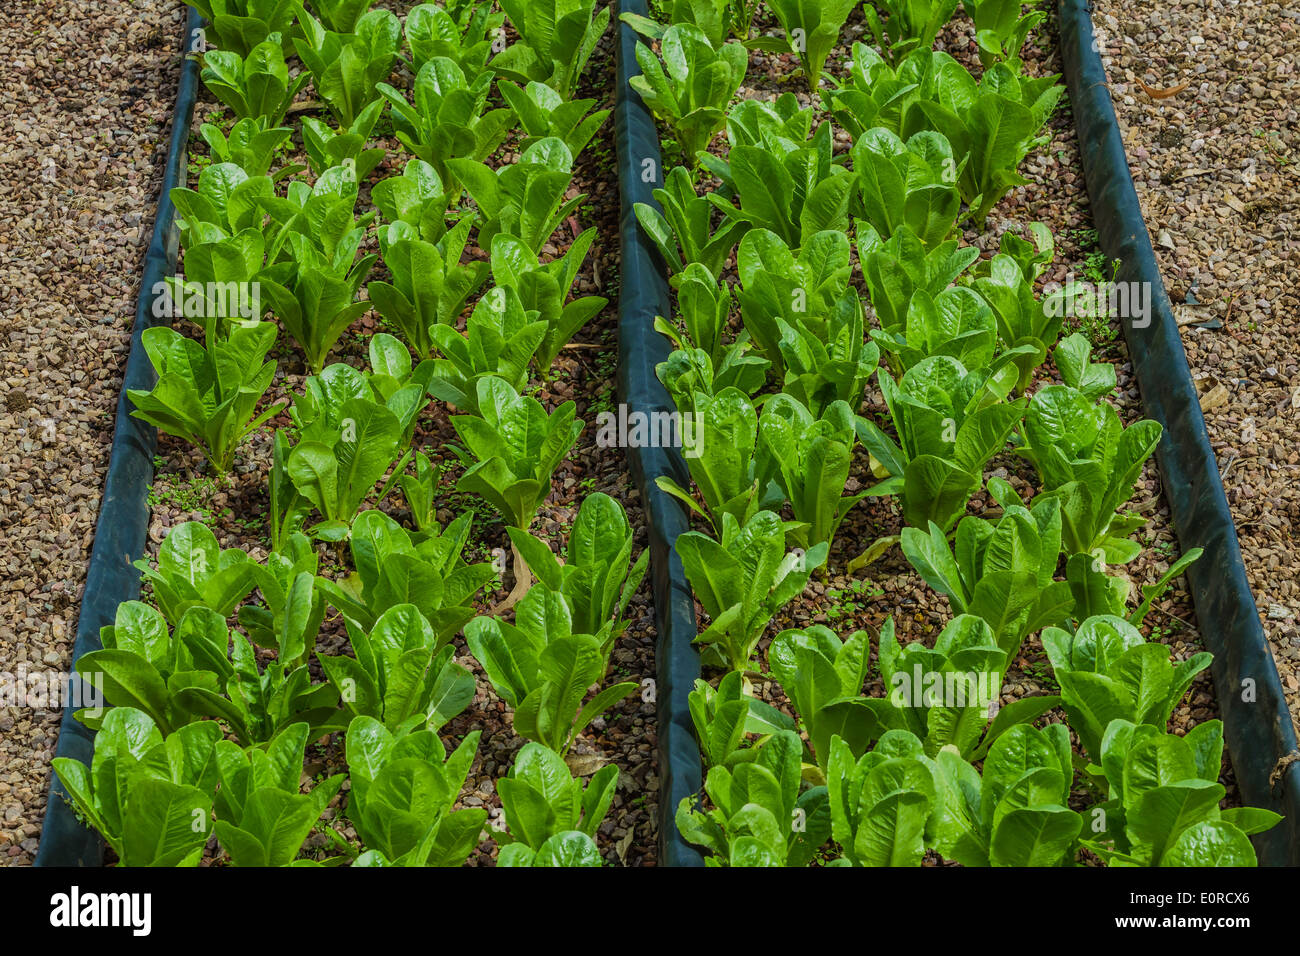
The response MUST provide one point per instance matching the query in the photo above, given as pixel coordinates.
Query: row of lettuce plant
(209, 723)
(958, 348)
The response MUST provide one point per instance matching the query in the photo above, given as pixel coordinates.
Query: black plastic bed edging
(642, 296)
(123, 523)
(1257, 725)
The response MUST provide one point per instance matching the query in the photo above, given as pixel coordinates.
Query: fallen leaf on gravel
(1188, 313)
(876, 549)
(584, 765)
(1233, 203)
(622, 846)
(1165, 239)
(1157, 93)
(1214, 398)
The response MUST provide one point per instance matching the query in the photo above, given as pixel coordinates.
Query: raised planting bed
(377, 381)
(946, 626)
(710, 433)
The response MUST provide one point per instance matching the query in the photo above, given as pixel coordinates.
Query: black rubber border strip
(1260, 739)
(123, 524)
(643, 296)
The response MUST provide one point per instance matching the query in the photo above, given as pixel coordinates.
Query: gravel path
(1215, 167)
(88, 90)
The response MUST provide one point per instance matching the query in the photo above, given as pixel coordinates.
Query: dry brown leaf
(1158, 93)
(1214, 398)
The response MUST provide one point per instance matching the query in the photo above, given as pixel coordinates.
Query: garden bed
(1054, 195)
(398, 598)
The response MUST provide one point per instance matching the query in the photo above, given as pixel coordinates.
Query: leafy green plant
(432, 31)
(208, 396)
(342, 16)
(742, 580)
(874, 95)
(402, 672)
(180, 677)
(1016, 813)
(1164, 800)
(395, 568)
(249, 145)
(992, 125)
(908, 25)
(765, 182)
(193, 570)
(255, 86)
(556, 39)
(1022, 319)
(287, 510)
(1002, 570)
(887, 805)
(812, 30)
(812, 457)
(227, 197)
(1107, 671)
(552, 816)
(691, 88)
(262, 819)
(327, 147)
(595, 579)
(338, 473)
(149, 798)
(1090, 461)
(754, 806)
(347, 63)
(711, 17)
(544, 287)
(240, 25)
(500, 339)
(957, 322)
(823, 676)
(1073, 358)
(430, 284)
(321, 217)
(315, 297)
(542, 669)
(417, 198)
(393, 383)
(404, 786)
(682, 227)
(293, 607)
(420, 491)
(949, 422)
(702, 362)
(732, 478)
(1001, 29)
(524, 199)
(447, 118)
(804, 286)
(543, 114)
(830, 361)
(948, 695)
(721, 719)
(912, 182)
(513, 449)
(897, 269)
